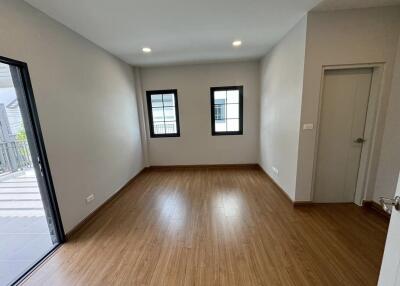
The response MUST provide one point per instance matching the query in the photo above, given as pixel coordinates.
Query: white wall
(86, 104)
(337, 38)
(196, 145)
(281, 92)
(389, 161)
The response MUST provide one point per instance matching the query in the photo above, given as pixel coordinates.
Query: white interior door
(390, 270)
(341, 133)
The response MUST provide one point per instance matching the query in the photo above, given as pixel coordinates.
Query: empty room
(187, 142)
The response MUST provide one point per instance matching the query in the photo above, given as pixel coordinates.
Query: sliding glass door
(30, 225)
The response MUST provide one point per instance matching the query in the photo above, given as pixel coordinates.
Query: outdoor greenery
(21, 135)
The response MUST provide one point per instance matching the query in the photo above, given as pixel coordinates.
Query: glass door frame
(23, 86)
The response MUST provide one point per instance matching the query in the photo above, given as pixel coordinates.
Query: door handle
(359, 140)
(387, 204)
(40, 166)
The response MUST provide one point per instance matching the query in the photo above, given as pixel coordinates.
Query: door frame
(366, 171)
(42, 157)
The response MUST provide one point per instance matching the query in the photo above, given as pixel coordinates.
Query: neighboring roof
(5, 76)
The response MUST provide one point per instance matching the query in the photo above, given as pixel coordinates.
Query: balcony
(24, 234)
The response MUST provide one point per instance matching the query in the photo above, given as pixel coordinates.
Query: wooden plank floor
(218, 227)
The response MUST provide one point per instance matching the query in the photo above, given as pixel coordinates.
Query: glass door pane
(27, 231)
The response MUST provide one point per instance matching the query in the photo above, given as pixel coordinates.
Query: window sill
(227, 133)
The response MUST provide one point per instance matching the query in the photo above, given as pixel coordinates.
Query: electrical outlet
(275, 170)
(90, 198)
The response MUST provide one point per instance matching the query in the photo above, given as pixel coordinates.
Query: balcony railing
(164, 128)
(14, 156)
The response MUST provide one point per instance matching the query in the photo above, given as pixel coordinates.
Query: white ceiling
(328, 5)
(179, 31)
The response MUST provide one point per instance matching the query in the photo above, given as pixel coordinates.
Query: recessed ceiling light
(237, 43)
(146, 50)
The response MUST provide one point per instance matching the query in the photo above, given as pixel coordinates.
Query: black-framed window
(163, 112)
(227, 110)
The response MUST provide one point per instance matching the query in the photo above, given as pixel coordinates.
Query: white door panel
(343, 113)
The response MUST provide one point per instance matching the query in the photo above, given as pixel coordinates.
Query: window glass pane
(156, 100)
(233, 124)
(220, 126)
(232, 96)
(219, 97)
(232, 110)
(169, 100)
(169, 113)
(170, 127)
(159, 128)
(219, 112)
(158, 114)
